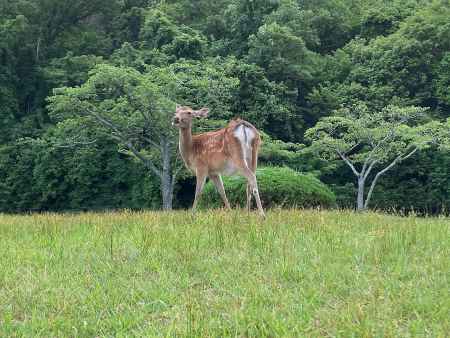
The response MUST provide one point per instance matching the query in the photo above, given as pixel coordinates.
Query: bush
(277, 187)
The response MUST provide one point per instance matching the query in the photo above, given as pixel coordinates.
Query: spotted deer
(227, 151)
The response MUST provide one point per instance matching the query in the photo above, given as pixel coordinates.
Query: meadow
(303, 273)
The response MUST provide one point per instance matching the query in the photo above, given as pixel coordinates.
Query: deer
(227, 151)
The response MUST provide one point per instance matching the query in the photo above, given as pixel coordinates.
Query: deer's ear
(177, 107)
(201, 113)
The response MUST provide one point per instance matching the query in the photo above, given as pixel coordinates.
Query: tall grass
(299, 273)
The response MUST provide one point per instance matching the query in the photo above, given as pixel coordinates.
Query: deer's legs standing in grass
(252, 167)
(217, 180)
(201, 178)
(251, 179)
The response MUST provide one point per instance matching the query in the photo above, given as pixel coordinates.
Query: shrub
(278, 186)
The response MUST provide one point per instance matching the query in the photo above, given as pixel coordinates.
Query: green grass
(299, 273)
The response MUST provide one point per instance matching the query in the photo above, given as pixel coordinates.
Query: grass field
(299, 273)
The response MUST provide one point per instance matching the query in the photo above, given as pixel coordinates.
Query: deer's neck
(185, 144)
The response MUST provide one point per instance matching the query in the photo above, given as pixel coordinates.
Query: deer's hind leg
(248, 171)
(252, 167)
(253, 184)
(248, 191)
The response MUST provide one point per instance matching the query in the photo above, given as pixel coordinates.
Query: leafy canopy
(361, 134)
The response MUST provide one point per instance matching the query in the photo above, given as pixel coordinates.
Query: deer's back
(220, 150)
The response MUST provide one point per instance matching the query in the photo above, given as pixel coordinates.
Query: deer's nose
(176, 120)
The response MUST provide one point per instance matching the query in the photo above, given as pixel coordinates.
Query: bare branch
(410, 154)
(352, 148)
(151, 142)
(369, 169)
(346, 160)
(177, 167)
(74, 144)
(363, 170)
(377, 176)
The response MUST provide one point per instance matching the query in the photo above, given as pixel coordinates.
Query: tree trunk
(166, 192)
(360, 197)
(167, 185)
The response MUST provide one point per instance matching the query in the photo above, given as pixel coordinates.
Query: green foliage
(242, 19)
(276, 152)
(379, 19)
(299, 21)
(282, 54)
(17, 191)
(278, 186)
(70, 70)
(362, 135)
(267, 104)
(421, 185)
(368, 141)
(12, 32)
(335, 21)
(442, 82)
(205, 84)
(399, 68)
(160, 32)
(54, 177)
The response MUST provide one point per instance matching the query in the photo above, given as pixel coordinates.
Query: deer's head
(183, 116)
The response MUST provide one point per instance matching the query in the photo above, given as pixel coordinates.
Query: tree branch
(346, 160)
(377, 176)
(378, 145)
(410, 154)
(120, 137)
(151, 142)
(177, 168)
(352, 148)
(73, 144)
(369, 169)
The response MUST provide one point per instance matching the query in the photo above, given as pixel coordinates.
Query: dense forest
(88, 88)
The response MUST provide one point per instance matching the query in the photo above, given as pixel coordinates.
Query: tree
(370, 141)
(283, 55)
(132, 108)
(286, 61)
(160, 32)
(407, 67)
(242, 19)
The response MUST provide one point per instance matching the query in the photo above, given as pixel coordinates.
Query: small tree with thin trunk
(133, 110)
(371, 143)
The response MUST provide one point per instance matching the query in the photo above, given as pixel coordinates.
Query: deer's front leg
(217, 180)
(201, 178)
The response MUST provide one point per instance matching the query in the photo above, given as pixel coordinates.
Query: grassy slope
(304, 273)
